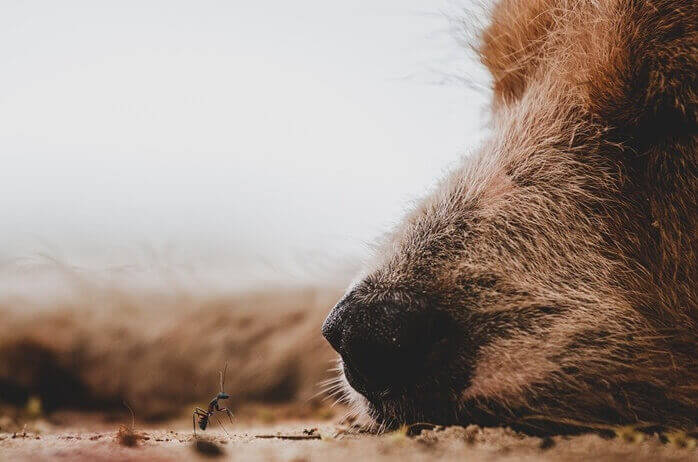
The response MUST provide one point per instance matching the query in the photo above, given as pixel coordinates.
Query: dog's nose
(385, 345)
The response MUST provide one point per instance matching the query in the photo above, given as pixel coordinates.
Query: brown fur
(566, 247)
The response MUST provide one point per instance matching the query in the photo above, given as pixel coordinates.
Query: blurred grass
(161, 352)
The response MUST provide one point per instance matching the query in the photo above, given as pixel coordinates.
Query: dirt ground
(89, 438)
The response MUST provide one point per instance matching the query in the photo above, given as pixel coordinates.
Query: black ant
(213, 406)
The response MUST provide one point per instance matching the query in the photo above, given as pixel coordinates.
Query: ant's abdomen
(203, 423)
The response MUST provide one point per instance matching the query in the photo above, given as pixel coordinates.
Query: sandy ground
(88, 438)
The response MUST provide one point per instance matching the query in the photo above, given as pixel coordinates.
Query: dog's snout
(383, 345)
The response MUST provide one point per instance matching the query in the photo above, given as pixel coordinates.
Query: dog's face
(487, 280)
(520, 285)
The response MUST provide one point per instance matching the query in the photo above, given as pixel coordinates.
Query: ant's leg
(222, 426)
(230, 414)
(193, 422)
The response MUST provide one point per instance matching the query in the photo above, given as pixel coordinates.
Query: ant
(205, 414)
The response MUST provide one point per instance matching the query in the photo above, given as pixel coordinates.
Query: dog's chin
(389, 409)
(390, 414)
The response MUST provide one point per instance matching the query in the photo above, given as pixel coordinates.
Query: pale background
(221, 144)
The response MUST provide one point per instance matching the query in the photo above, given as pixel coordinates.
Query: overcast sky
(219, 133)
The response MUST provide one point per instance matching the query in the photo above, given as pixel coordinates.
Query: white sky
(218, 134)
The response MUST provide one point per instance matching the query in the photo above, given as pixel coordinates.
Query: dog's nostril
(384, 346)
(331, 330)
(392, 354)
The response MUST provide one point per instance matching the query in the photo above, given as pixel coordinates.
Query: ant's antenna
(133, 415)
(222, 374)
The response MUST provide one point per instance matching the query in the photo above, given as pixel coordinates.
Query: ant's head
(223, 395)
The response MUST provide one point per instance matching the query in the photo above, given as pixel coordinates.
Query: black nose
(386, 345)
